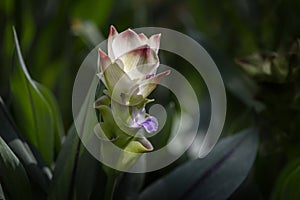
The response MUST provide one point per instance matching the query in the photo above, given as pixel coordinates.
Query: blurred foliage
(55, 36)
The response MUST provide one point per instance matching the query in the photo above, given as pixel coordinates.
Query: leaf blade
(32, 111)
(12, 174)
(197, 178)
(33, 165)
(288, 182)
(59, 132)
(59, 185)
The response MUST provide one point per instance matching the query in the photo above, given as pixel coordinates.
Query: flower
(129, 72)
(140, 119)
(131, 118)
(129, 69)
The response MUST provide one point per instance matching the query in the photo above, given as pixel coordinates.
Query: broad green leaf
(82, 173)
(59, 132)
(66, 169)
(129, 186)
(2, 196)
(60, 184)
(12, 174)
(84, 181)
(31, 110)
(90, 178)
(216, 176)
(287, 186)
(34, 166)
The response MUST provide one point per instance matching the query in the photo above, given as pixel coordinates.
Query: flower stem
(111, 184)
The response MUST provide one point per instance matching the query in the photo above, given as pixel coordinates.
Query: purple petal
(150, 76)
(150, 124)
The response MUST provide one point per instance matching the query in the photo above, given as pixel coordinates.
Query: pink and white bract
(129, 69)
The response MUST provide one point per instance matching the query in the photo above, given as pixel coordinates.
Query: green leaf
(216, 176)
(32, 111)
(34, 166)
(2, 196)
(60, 184)
(129, 186)
(87, 177)
(12, 174)
(59, 132)
(66, 169)
(287, 186)
(90, 177)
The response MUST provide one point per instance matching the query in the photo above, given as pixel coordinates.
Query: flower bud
(128, 72)
(129, 69)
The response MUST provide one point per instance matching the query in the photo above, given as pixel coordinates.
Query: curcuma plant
(38, 160)
(129, 74)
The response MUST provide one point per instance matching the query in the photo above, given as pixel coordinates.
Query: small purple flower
(150, 124)
(139, 119)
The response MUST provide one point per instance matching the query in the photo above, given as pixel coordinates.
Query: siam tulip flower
(129, 69)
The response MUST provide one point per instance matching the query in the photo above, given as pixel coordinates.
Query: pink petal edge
(112, 31)
(143, 37)
(112, 34)
(125, 42)
(104, 60)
